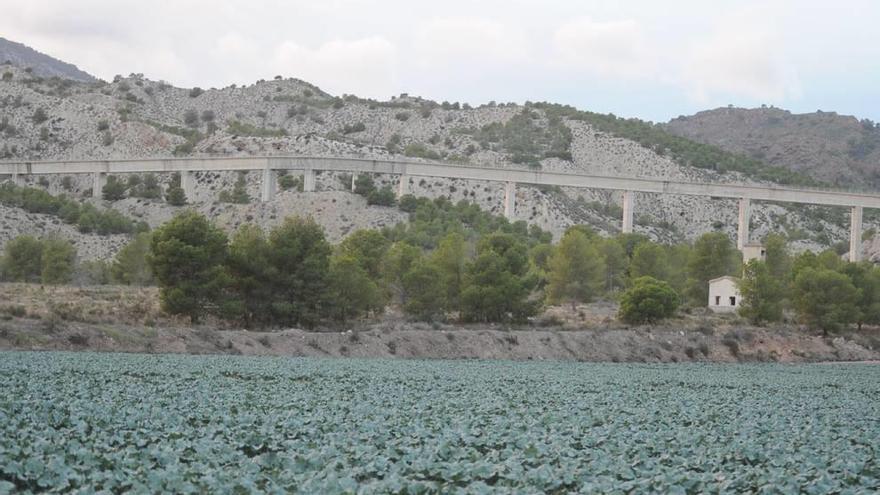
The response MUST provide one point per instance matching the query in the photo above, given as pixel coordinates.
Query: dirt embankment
(122, 319)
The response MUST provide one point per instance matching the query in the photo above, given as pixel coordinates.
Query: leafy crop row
(207, 424)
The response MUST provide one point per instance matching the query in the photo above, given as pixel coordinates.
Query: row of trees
(825, 291)
(86, 217)
(455, 260)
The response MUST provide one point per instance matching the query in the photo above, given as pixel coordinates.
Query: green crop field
(85, 422)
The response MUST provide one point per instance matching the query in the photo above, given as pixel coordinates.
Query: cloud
(609, 49)
(740, 60)
(367, 65)
(465, 41)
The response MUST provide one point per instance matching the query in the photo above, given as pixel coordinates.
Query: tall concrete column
(99, 180)
(268, 186)
(354, 178)
(403, 186)
(188, 184)
(308, 180)
(742, 236)
(628, 203)
(510, 200)
(17, 179)
(855, 234)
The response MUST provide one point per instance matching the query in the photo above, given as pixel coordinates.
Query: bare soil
(126, 319)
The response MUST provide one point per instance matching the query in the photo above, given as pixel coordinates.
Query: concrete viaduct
(269, 165)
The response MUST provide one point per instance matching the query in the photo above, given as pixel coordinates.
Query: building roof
(726, 277)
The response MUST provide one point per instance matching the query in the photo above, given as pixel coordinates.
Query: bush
(351, 129)
(239, 194)
(382, 197)
(290, 182)
(103, 125)
(40, 116)
(195, 92)
(57, 261)
(114, 189)
(22, 259)
(191, 118)
(419, 150)
(402, 116)
(647, 301)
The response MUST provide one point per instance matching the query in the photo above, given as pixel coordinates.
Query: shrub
(351, 129)
(103, 125)
(419, 150)
(114, 189)
(402, 116)
(7, 76)
(22, 259)
(191, 118)
(40, 116)
(195, 92)
(289, 182)
(647, 301)
(382, 197)
(57, 261)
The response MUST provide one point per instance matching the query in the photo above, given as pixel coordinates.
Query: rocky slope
(136, 117)
(40, 64)
(837, 149)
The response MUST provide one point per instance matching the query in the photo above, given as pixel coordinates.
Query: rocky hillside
(40, 64)
(51, 118)
(837, 149)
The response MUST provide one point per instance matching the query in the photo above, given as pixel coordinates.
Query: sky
(652, 59)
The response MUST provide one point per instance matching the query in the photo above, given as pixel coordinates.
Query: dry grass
(97, 304)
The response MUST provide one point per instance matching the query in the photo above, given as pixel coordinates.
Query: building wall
(720, 293)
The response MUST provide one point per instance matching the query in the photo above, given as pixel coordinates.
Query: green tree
(576, 270)
(114, 189)
(187, 255)
(57, 261)
(616, 263)
(424, 286)
(368, 248)
(649, 260)
(494, 288)
(130, 265)
(399, 259)
(299, 256)
(825, 299)
(713, 256)
(762, 293)
(364, 185)
(175, 195)
(382, 197)
(22, 259)
(777, 257)
(648, 300)
(449, 260)
(352, 291)
(866, 278)
(250, 291)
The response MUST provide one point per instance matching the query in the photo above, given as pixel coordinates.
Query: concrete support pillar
(17, 179)
(510, 200)
(742, 236)
(99, 179)
(308, 180)
(188, 184)
(354, 178)
(855, 234)
(269, 185)
(628, 204)
(403, 186)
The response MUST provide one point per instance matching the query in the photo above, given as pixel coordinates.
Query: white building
(754, 251)
(724, 296)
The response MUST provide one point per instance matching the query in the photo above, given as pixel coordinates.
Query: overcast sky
(654, 59)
